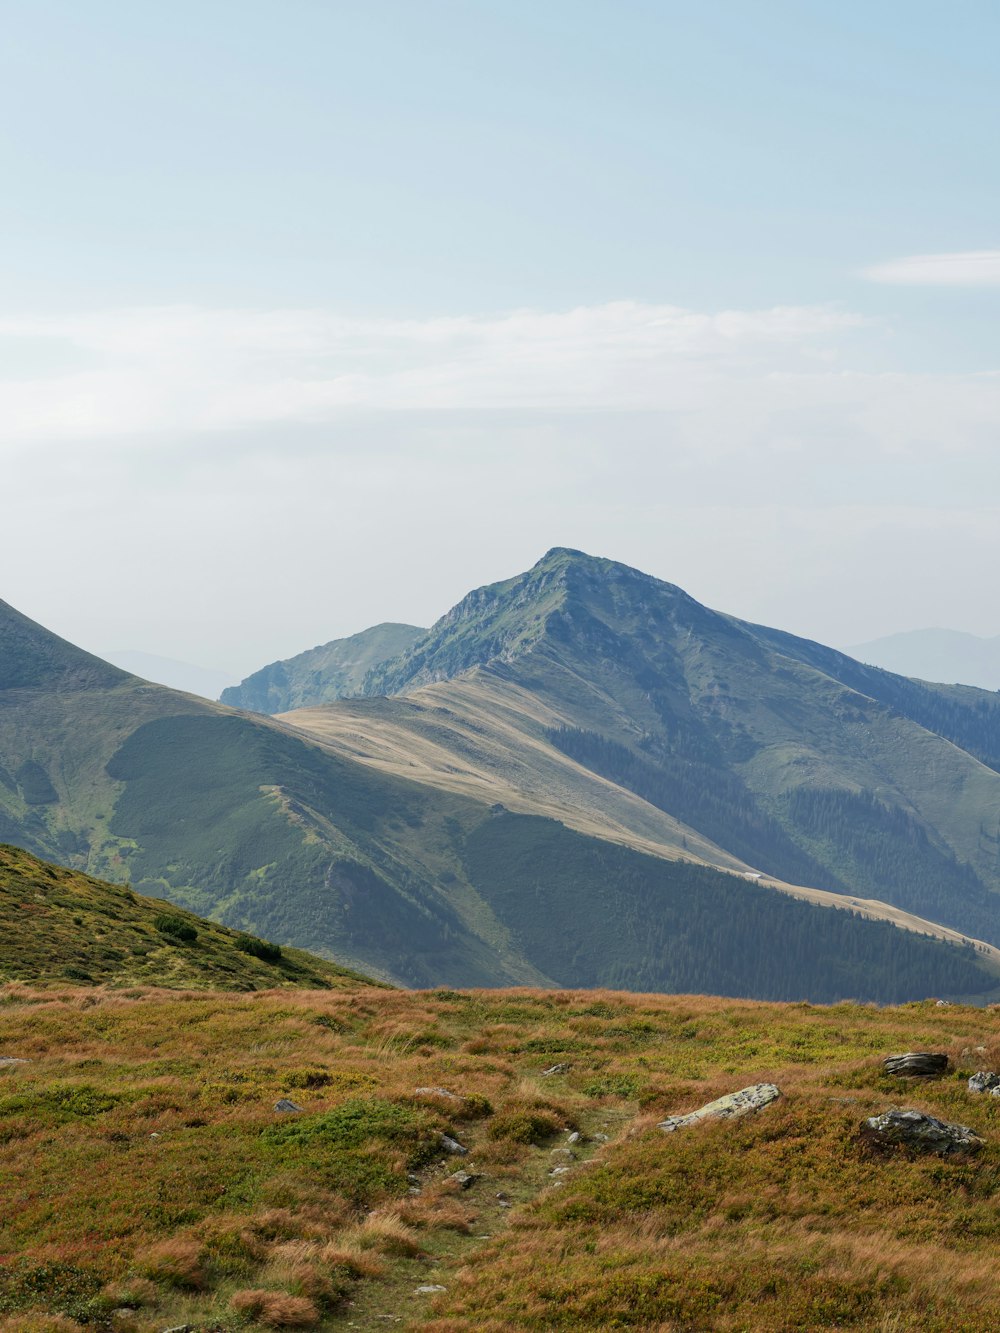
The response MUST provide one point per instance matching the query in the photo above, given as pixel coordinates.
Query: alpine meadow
(499, 726)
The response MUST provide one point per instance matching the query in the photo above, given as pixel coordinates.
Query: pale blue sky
(257, 264)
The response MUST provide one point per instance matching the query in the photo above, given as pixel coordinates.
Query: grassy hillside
(151, 1184)
(332, 671)
(59, 926)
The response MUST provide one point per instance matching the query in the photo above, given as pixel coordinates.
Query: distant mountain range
(578, 776)
(936, 654)
(184, 676)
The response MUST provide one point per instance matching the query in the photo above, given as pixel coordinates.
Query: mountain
(57, 925)
(334, 670)
(166, 671)
(427, 878)
(936, 654)
(618, 704)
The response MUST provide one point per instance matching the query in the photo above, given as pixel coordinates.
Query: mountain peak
(32, 656)
(565, 599)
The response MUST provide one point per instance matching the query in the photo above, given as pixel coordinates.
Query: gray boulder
(985, 1082)
(916, 1064)
(452, 1145)
(921, 1133)
(286, 1107)
(730, 1107)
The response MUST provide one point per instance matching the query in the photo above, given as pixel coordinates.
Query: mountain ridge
(414, 869)
(329, 671)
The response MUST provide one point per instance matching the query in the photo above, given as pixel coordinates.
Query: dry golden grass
(174, 1262)
(275, 1309)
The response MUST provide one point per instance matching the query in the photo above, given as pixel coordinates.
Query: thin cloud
(965, 268)
(150, 371)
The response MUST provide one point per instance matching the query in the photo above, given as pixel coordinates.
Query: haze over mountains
(936, 654)
(568, 779)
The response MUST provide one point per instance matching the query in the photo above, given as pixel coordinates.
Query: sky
(319, 313)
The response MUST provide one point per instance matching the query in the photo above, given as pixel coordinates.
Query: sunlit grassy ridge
(59, 925)
(145, 1169)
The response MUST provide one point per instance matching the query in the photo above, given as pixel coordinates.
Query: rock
(575, 1137)
(560, 1170)
(985, 1082)
(922, 1133)
(943, 1004)
(563, 1152)
(286, 1107)
(179, 1328)
(7, 1060)
(730, 1107)
(464, 1179)
(554, 1069)
(154, 1135)
(916, 1064)
(429, 1289)
(601, 1138)
(503, 1200)
(453, 1146)
(437, 1092)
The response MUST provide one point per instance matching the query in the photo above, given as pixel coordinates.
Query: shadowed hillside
(57, 925)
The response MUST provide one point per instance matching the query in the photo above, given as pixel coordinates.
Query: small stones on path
(916, 1064)
(452, 1145)
(555, 1069)
(730, 1107)
(286, 1107)
(985, 1082)
(923, 1133)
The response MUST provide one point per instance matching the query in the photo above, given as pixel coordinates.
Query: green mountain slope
(795, 759)
(332, 671)
(59, 925)
(258, 826)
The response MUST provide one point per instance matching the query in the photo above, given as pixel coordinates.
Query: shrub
(524, 1124)
(613, 1085)
(476, 1107)
(176, 928)
(358, 1121)
(308, 1078)
(275, 1309)
(257, 948)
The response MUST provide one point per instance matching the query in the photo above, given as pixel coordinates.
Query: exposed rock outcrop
(730, 1107)
(920, 1133)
